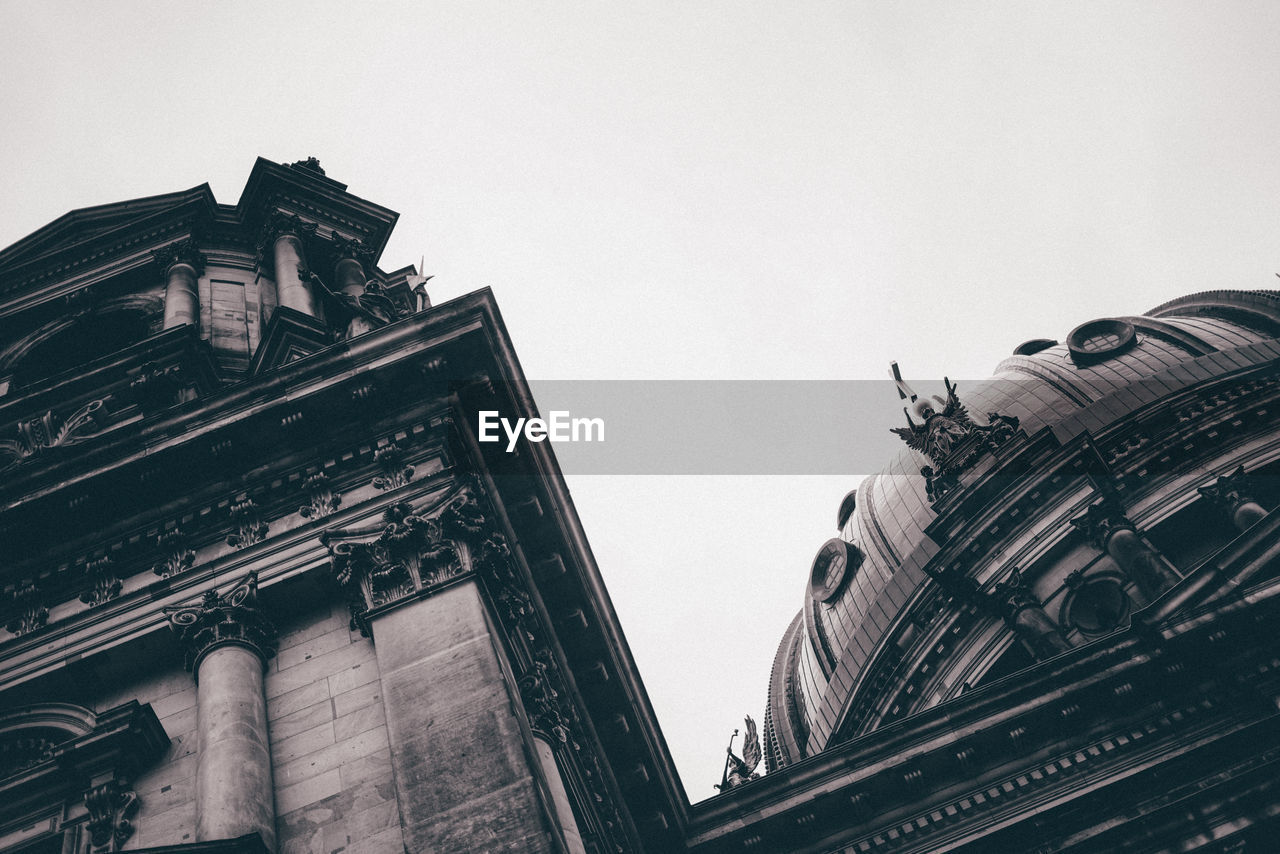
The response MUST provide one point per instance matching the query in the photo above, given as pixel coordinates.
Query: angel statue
(741, 770)
(944, 424)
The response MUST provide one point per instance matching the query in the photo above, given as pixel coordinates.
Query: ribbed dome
(1105, 372)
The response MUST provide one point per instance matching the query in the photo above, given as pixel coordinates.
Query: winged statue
(739, 770)
(943, 425)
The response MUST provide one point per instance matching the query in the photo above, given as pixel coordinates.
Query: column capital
(412, 553)
(1102, 521)
(182, 252)
(231, 618)
(281, 224)
(1230, 490)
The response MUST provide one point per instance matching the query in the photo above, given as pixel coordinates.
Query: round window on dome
(836, 563)
(1099, 340)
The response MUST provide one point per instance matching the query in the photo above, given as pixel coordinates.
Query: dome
(1138, 410)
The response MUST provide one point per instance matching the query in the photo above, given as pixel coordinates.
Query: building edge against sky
(264, 590)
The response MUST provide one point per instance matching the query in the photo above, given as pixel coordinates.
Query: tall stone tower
(262, 589)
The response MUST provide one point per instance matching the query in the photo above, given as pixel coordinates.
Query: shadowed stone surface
(461, 768)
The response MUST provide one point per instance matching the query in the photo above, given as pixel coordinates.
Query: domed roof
(1105, 371)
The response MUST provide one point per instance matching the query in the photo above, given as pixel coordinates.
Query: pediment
(86, 225)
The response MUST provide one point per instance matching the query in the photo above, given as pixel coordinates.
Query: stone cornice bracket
(178, 556)
(104, 583)
(395, 471)
(181, 252)
(32, 613)
(250, 529)
(234, 617)
(322, 500)
(1102, 521)
(111, 807)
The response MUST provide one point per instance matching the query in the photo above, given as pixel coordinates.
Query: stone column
(228, 642)
(181, 264)
(283, 238)
(350, 279)
(550, 727)
(1024, 613)
(466, 774)
(1233, 495)
(1111, 531)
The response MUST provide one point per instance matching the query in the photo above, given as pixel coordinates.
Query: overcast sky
(707, 191)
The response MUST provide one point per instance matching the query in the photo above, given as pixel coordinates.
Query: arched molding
(149, 306)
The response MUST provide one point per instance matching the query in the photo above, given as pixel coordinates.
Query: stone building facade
(262, 590)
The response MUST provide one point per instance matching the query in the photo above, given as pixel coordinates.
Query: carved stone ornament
(310, 164)
(279, 224)
(36, 436)
(1230, 490)
(395, 472)
(178, 556)
(27, 749)
(31, 611)
(249, 527)
(181, 252)
(947, 435)
(411, 553)
(104, 585)
(322, 500)
(111, 807)
(230, 618)
(1101, 521)
(542, 704)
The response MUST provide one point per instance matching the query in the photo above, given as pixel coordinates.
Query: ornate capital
(182, 252)
(111, 806)
(1102, 521)
(411, 552)
(231, 618)
(280, 224)
(1230, 490)
(353, 248)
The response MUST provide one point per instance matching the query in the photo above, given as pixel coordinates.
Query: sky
(703, 192)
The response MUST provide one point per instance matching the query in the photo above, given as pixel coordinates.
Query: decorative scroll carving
(111, 807)
(36, 436)
(104, 585)
(181, 252)
(250, 529)
(322, 500)
(178, 556)
(410, 553)
(947, 435)
(231, 618)
(395, 472)
(32, 613)
(542, 704)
